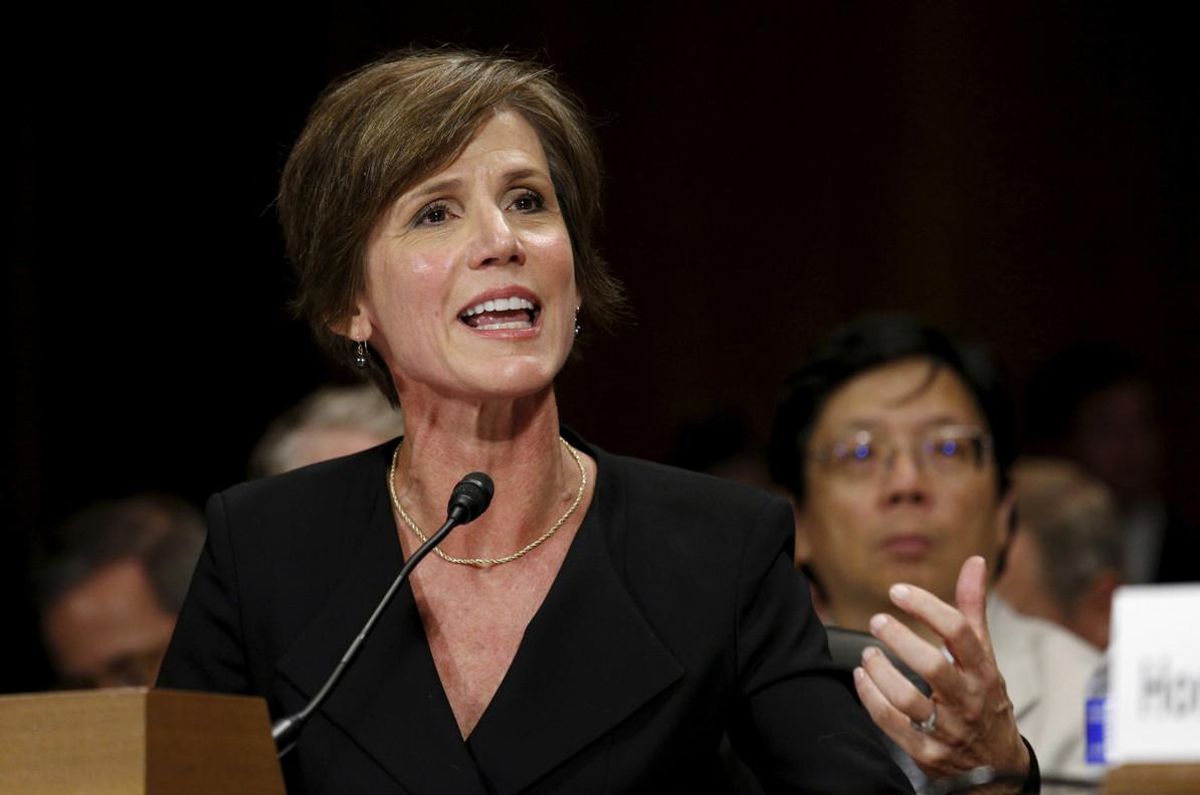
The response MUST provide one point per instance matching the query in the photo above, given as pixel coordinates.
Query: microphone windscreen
(471, 497)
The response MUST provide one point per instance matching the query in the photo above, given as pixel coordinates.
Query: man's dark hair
(163, 534)
(863, 344)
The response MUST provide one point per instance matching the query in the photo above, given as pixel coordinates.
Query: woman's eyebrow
(524, 173)
(432, 188)
(453, 183)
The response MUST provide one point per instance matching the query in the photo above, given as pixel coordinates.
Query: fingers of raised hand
(970, 593)
(943, 738)
(925, 748)
(963, 640)
(896, 723)
(895, 687)
(919, 655)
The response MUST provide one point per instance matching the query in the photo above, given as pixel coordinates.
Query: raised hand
(968, 721)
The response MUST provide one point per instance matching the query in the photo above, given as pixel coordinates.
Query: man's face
(108, 631)
(901, 487)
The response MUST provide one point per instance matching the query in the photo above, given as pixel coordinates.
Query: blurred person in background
(109, 587)
(1065, 560)
(896, 443)
(332, 422)
(1095, 404)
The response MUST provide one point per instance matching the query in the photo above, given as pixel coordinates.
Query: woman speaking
(607, 620)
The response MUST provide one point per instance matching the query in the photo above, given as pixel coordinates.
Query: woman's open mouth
(502, 314)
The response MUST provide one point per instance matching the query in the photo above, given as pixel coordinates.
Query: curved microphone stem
(285, 730)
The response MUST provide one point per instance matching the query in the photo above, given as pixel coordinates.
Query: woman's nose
(498, 242)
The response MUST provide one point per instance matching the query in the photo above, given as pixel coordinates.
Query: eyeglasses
(945, 450)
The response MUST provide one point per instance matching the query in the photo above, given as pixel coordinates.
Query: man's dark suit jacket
(676, 616)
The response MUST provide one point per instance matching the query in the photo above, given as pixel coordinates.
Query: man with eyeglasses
(895, 443)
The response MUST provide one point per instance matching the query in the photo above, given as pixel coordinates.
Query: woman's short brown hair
(384, 128)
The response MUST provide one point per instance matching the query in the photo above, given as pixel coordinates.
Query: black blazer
(676, 617)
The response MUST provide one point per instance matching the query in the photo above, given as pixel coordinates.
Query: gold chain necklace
(485, 562)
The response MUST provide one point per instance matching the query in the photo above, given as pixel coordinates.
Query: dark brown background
(1024, 174)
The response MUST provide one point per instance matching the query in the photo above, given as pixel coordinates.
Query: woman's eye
(528, 201)
(432, 214)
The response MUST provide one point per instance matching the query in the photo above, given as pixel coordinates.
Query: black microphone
(470, 498)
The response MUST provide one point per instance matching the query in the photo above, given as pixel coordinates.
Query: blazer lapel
(390, 700)
(587, 661)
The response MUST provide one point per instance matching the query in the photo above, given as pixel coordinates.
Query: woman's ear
(356, 326)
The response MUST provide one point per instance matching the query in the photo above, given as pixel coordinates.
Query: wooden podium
(1181, 779)
(136, 740)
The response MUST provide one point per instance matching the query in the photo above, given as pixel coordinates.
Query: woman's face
(470, 288)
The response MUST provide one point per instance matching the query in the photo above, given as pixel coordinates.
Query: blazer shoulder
(686, 490)
(336, 491)
(690, 507)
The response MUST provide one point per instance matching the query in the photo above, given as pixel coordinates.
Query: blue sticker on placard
(1095, 731)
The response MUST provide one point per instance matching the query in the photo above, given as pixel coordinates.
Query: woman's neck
(513, 441)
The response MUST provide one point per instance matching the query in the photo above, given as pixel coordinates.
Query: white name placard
(1154, 674)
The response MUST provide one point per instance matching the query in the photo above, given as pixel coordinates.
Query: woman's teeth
(501, 314)
(499, 305)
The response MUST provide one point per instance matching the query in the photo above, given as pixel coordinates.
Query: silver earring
(578, 328)
(360, 355)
